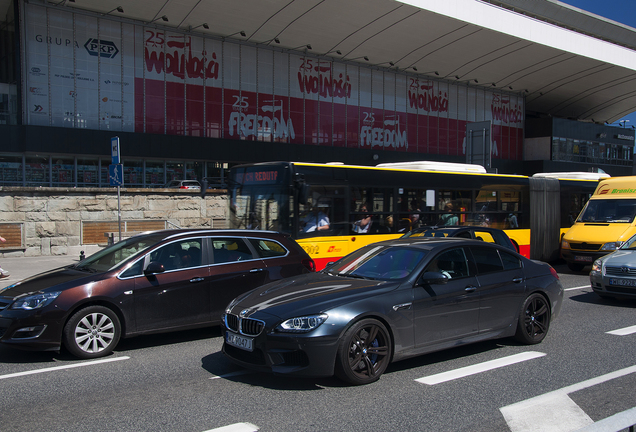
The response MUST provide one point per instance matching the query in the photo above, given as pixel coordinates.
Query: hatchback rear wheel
(92, 332)
(364, 352)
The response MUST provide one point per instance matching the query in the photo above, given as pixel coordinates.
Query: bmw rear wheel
(92, 332)
(534, 320)
(364, 352)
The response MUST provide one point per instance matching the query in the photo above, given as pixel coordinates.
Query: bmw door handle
(517, 280)
(470, 289)
(256, 270)
(199, 279)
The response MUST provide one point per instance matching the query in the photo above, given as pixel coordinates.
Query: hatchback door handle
(256, 270)
(517, 280)
(199, 279)
(470, 289)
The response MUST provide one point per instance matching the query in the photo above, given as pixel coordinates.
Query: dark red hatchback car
(153, 282)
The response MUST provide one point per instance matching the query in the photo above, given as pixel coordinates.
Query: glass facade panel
(88, 172)
(63, 172)
(155, 173)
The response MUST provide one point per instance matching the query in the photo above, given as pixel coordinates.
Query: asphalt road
(181, 382)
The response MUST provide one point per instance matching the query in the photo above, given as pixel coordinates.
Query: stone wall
(52, 218)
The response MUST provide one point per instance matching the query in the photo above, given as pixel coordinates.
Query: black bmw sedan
(389, 301)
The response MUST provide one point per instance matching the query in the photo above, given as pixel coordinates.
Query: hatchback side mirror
(154, 267)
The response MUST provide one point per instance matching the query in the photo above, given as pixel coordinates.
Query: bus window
(324, 213)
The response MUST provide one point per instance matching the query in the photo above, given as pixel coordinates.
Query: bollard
(82, 256)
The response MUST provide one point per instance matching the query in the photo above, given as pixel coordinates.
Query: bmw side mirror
(433, 278)
(153, 268)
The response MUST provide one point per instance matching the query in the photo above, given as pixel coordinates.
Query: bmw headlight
(611, 246)
(302, 324)
(35, 301)
(597, 266)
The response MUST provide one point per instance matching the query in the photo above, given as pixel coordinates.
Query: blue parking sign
(116, 174)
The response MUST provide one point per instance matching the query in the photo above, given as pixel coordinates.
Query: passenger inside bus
(449, 218)
(363, 225)
(317, 219)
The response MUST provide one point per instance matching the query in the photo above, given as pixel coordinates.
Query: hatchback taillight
(309, 264)
(183, 187)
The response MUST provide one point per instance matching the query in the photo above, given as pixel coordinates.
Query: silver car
(614, 275)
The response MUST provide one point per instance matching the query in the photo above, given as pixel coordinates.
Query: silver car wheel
(92, 332)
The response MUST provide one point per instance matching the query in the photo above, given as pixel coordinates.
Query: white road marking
(236, 427)
(577, 288)
(623, 332)
(69, 366)
(231, 374)
(478, 368)
(558, 411)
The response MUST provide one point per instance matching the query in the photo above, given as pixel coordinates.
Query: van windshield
(609, 210)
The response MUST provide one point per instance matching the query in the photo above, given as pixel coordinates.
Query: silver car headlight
(35, 301)
(611, 246)
(597, 266)
(302, 324)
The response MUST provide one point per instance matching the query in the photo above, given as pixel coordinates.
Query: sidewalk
(22, 267)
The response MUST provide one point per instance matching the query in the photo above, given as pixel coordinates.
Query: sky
(622, 11)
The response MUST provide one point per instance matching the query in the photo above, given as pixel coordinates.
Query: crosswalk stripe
(478, 368)
(623, 332)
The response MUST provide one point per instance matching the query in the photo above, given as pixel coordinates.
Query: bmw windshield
(378, 263)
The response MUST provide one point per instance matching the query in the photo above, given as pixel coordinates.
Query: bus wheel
(576, 267)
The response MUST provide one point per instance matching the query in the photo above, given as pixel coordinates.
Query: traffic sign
(114, 144)
(116, 174)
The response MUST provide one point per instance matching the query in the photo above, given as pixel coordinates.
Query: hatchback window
(268, 248)
(487, 259)
(230, 250)
(178, 255)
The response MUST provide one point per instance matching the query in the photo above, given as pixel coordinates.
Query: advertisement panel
(90, 72)
(74, 71)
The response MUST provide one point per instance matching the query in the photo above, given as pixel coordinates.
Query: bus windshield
(260, 207)
(259, 197)
(609, 210)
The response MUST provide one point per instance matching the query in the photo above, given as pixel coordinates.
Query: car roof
(435, 243)
(170, 233)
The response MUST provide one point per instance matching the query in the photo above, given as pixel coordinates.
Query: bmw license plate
(241, 342)
(623, 282)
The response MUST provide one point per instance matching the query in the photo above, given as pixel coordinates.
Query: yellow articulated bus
(604, 224)
(334, 209)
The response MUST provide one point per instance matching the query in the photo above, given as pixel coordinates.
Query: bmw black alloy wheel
(364, 352)
(534, 319)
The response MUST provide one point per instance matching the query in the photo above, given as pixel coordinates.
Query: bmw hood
(53, 280)
(309, 293)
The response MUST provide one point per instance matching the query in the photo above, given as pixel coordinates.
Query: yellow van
(606, 221)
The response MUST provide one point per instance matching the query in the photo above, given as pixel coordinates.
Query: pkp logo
(102, 48)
